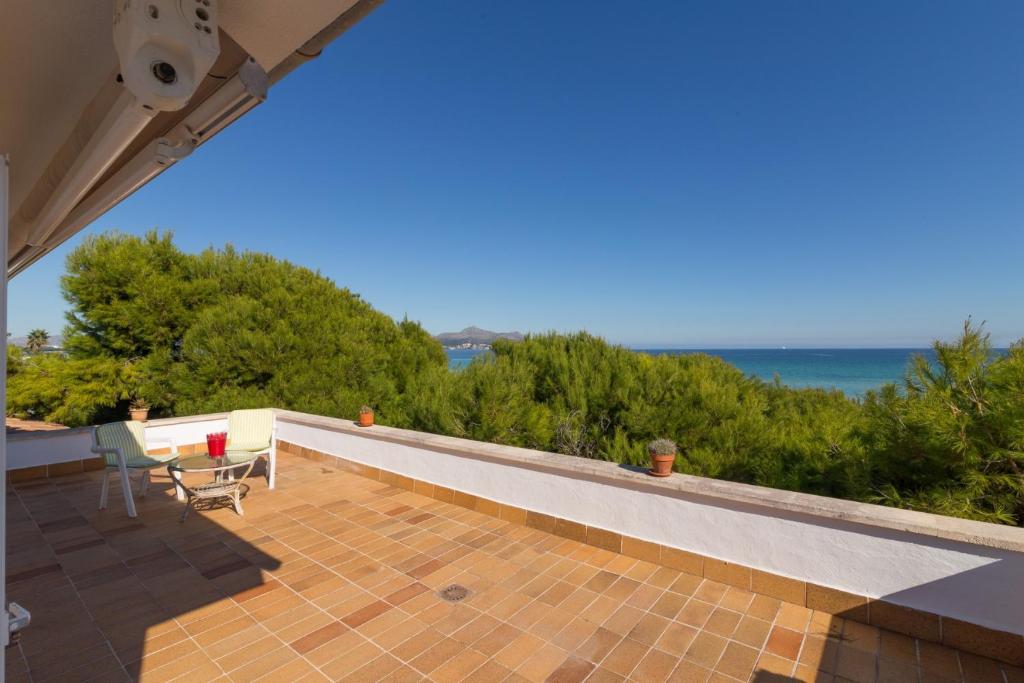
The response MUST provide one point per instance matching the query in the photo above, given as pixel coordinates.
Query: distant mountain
(56, 341)
(475, 336)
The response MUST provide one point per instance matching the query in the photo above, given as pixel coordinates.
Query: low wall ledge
(923, 523)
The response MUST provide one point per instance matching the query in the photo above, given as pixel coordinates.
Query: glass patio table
(224, 485)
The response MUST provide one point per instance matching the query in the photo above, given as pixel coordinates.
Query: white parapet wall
(187, 430)
(33, 449)
(954, 568)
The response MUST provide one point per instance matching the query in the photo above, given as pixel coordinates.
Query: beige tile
(820, 653)
(686, 584)
(937, 659)
(837, 602)
(861, 636)
(607, 540)
(768, 663)
(856, 665)
(711, 591)
(669, 604)
(459, 667)
(784, 643)
(895, 646)
(722, 622)
(737, 661)
(597, 647)
(512, 514)
(655, 666)
(649, 629)
(571, 530)
(624, 657)
(640, 549)
(727, 573)
(676, 639)
(980, 669)
(763, 607)
(572, 670)
(706, 649)
(540, 664)
(775, 586)
(682, 560)
(793, 617)
(1005, 647)
(695, 613)
(905, 620)
(752, 632)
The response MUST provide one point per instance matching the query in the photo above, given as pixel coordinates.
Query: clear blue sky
(694, 174)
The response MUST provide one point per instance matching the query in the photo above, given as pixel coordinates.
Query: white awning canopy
(79, 140)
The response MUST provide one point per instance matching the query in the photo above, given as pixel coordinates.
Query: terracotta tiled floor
(333, 576)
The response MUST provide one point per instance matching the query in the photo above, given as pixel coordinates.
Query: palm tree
(37, 339)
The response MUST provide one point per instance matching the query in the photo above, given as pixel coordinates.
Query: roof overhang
(77, 147)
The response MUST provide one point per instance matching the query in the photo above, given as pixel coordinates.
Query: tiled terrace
(333, 577)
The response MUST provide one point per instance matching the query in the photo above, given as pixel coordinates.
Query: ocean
(852, 371)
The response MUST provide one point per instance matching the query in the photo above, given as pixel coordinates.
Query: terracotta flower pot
(140, 415)
(661, 464)
(365, 419)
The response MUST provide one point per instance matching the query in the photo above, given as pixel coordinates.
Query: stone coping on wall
(937, 526)
(1001, 645)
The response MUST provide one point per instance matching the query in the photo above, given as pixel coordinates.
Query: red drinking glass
(215, 444)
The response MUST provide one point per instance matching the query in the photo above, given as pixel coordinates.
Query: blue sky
(712, 174)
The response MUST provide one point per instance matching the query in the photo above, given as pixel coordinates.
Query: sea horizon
(851, 370)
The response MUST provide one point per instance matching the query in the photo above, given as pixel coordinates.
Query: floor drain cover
(454, 593)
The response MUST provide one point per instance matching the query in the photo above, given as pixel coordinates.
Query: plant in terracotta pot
(663, 455)
(139, 409)
(366, 416)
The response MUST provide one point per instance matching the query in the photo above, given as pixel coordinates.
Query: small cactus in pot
(663, 456)
(139, 409)
(366, 416)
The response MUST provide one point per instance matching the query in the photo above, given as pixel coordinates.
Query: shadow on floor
(104, 589)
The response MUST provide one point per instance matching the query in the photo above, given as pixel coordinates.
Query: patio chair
(123, 446)
(254, 431)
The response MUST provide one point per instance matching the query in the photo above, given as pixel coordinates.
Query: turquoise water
(852, 371)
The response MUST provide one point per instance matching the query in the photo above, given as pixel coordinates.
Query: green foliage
(222, 330)
(953, 441)
(949, 441)
(130, 296)
(216, 331)
(578, 395)
(71, 392)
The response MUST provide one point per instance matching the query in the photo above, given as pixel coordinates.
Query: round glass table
(224, 485)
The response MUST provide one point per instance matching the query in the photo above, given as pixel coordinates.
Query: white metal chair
(123, 446)
(254, 431)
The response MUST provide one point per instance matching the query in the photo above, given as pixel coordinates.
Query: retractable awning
(80, 139)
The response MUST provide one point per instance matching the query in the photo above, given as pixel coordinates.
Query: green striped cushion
(130, 437)
(250, 430)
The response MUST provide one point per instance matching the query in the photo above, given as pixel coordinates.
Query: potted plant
(366, 416)
(139, 409)
(663, 455)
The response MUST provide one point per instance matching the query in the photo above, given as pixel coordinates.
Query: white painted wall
(976, 583)
(47, 448)
(185, 432)
(65, 445)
